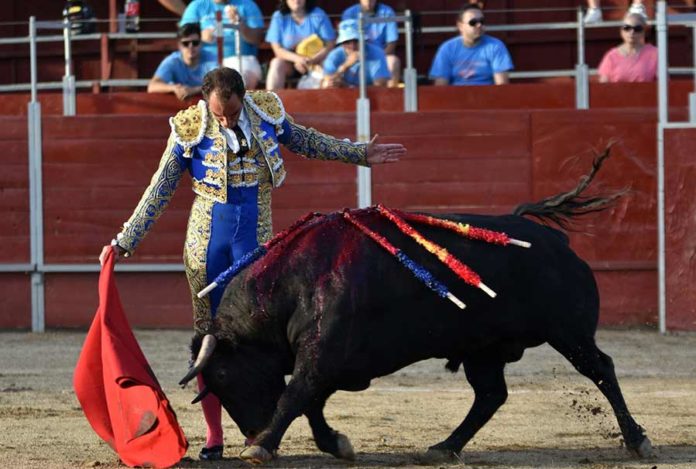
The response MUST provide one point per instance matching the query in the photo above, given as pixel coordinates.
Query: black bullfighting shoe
(214, 453)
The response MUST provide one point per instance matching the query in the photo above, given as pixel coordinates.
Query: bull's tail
(561, 208)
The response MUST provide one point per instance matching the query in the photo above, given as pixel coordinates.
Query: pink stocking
(212, 411)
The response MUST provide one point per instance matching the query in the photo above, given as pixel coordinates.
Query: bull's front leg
(327, 439)
(295, 400)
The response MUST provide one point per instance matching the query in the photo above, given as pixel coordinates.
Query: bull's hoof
(644, 449)
(437, 455)
(256, 455)
(345, 448)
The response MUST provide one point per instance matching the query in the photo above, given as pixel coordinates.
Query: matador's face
(225, 112)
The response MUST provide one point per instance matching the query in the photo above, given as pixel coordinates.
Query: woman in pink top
(633, 60)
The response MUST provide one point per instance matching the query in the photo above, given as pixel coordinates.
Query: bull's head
(247, 379)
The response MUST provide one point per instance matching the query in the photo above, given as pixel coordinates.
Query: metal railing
(362, 107)
(581, 72)
(662, 23)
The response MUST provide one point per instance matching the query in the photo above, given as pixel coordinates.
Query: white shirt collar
(245, 125)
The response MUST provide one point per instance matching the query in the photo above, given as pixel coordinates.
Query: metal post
(69, 78)
(238, 48)
(663, 119)
(32, 56)
(410, 75)
(582, 88)
(361, 51)
(35, 192)
(692, 95)
(363, 122)
(220, 37)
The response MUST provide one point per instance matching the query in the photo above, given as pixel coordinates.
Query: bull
(333, 310)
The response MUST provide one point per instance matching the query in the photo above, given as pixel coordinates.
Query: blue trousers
(232, 234)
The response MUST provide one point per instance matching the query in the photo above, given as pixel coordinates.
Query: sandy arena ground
(554, 418)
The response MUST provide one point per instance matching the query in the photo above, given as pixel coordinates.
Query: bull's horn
(200, 396)
(207, 347)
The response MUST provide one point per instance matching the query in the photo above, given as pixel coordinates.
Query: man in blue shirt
(182, 72)
(383, 35)
(472, 58)
(247, 15)
(342, 65)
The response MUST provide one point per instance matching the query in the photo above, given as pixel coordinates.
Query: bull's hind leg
(487, 378)
(589, 360)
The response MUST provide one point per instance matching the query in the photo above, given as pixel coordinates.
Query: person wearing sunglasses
(633, 60)
(472, 58)
(182, 72)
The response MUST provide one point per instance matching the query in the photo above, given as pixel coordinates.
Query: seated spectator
(342, 65)
(182, 72)
(472, 58)
(594, 12)
(633, 60)
(248, 16)
(294, 21)
(384, 35)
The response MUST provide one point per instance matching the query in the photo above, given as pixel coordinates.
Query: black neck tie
(241, 138)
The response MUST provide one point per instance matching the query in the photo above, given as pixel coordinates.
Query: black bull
(334, 310)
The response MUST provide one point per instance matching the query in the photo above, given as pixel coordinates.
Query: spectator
(594, 12)
(175, 6)
(472, 58)
(384, 35)
(294, 21)
(342, 65)
(633, 60)
(247, 14)
(182, 72)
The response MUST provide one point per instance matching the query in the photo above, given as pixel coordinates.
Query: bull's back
(357, 300)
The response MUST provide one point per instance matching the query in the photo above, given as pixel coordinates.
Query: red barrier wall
(484, 161)
(557, 95)
(680, 226)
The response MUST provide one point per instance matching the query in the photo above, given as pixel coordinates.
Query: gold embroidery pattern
(154, 200)
(243, 171)
(195, 252)
(316, 145)
(214, 185)
(267, 105)
(269, 149)
(264, 227)
(189, 126)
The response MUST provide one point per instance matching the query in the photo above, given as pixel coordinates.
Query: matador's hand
(118, 252)
(379, 153)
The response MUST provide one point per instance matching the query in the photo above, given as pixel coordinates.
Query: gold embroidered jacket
(197, 144)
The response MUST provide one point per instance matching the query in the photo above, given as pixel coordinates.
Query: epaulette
(267, 105)
(189, 126)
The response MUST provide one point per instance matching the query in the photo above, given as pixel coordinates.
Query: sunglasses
(636, 29)
(194, 43)
(476, 21)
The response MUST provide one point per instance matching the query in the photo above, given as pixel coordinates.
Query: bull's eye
(221, 375)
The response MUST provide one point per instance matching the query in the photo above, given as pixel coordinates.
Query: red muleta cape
(118, 391)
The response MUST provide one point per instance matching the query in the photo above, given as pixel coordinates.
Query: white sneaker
(638, 9)
(593, 15)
